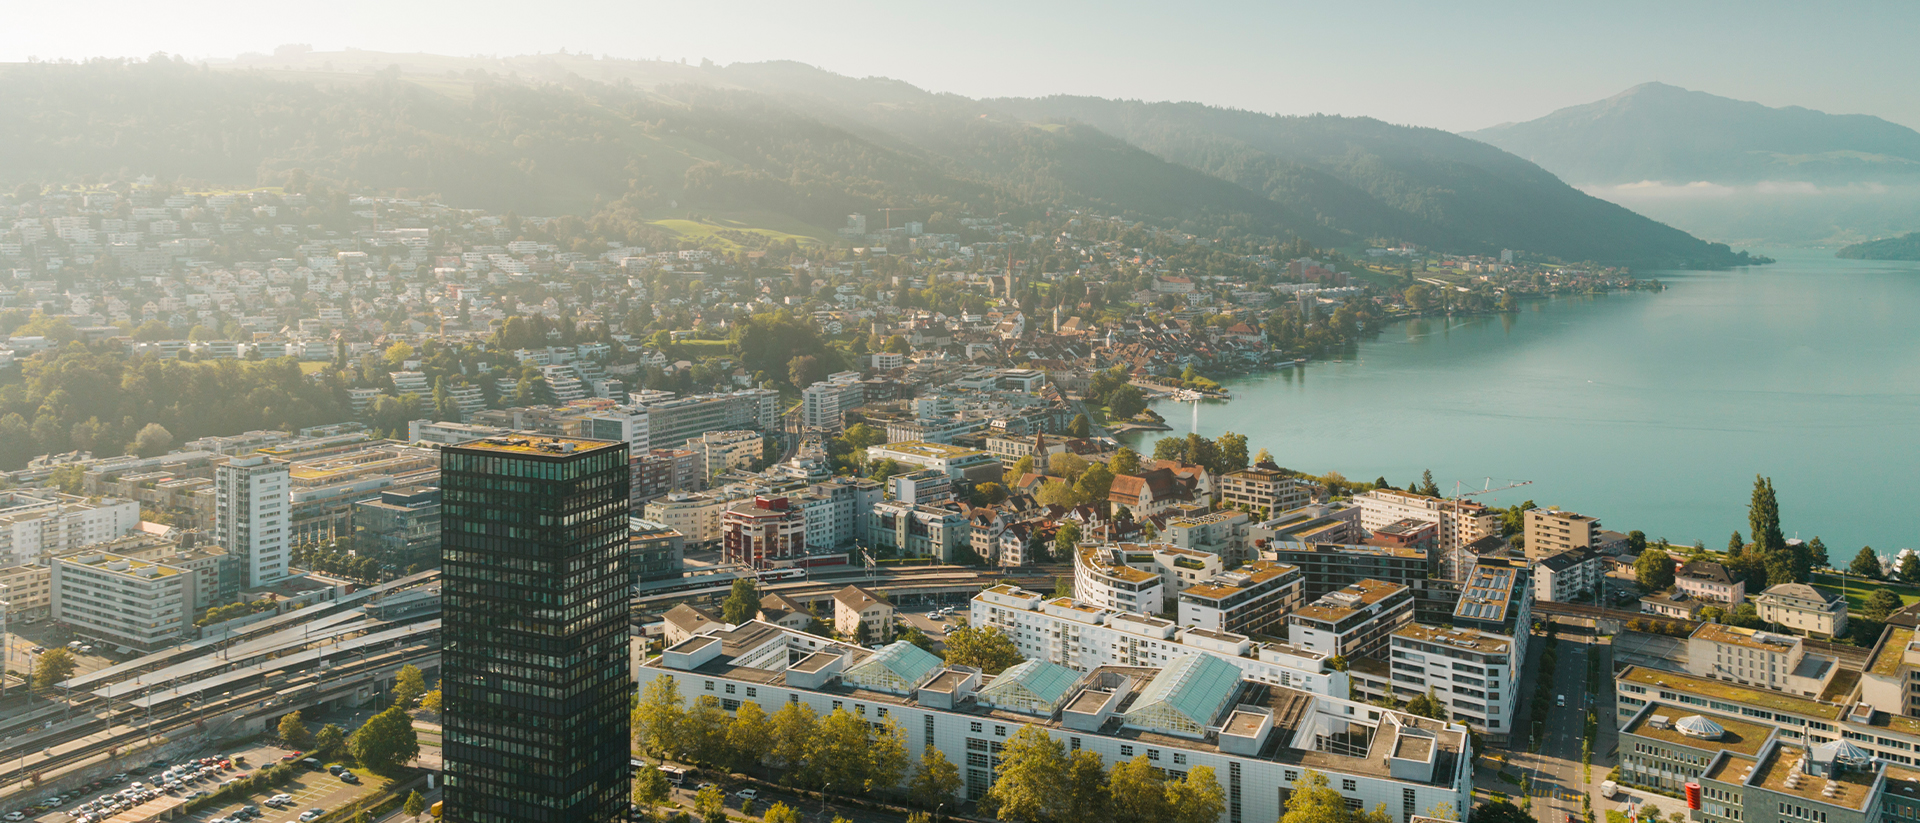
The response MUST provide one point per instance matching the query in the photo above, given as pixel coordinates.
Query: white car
(748, 794)
(311, 814)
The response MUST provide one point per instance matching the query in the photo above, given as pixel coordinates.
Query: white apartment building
(1472, 666)
(1754, 658)
(1264, 490)
(127, 602)
(720, 452)
(250, 516)
(1228, 534)
(628, 424)
(1353, 622)
(1252, 599)
(1083, 637)
(695, 515)
(447, 433)
(1460, 522)
(1802, 608)
(824, 404)
(30, 588)
(38, 523)
(1138, 578)
(1565, 576)
(1190, 712)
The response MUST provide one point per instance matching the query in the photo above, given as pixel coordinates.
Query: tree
(385, 741)
(1427, 486)
(793, 728)
(1313, 801)
(839, 751)
(989, 494)
(329, 739)
(1866, 563)
(1085, 792)
(1124, 461)
(1735, 545)
(430, 702)
(749, 735)
(863, 436)
(711, 804)
(935, 779)
(886, 755)
(153, 440)
(1032, 779)
(656, 718)
(782, 813)
(1499, 811)
(650, 789)
(1230, 451)
(1079, 426)
(1056, 492)
(1196, 798)
(293, 732)
(1636, 542)
(1763, 516)
(1094, 483)
(1419, 297)
(1427, 705)
(805, 370)
(1136, 794)
(1713, 614)
(702, 732)
(1817, 554)
(408, 685)
(1910, 568)
(1021, 468)
(1126, 402)
(1266, 458)
(55, 665)
(1654, 570)
(1880, 604)
(742, 603)
(417, 805)
(1066, 538)
(1744, 616)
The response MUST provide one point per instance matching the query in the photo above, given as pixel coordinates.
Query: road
(1556, 781)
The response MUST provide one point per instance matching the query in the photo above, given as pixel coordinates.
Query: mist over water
(1651, 411)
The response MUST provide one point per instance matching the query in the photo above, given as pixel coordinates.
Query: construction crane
(890, 210)
(1455, 551)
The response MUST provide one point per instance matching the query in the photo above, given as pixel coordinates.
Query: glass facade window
(536, 682)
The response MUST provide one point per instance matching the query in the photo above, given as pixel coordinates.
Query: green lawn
(714, 229)
(1858, 589)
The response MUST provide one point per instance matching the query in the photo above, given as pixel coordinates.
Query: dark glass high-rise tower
(534, 672)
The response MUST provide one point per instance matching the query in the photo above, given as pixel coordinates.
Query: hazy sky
(1451, 65)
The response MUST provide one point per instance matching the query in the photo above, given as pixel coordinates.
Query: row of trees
(840, 751)
(1041, 782)
(383, 743)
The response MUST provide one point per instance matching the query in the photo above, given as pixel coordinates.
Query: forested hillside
(1380, 180)
(627, 143)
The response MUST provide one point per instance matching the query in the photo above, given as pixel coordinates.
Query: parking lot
(935, 627)
(22, 639)
(309, 789)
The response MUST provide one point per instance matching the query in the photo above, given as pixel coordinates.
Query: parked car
(748, 794)
(349, 777)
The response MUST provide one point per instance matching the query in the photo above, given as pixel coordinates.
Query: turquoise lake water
(1651, 411)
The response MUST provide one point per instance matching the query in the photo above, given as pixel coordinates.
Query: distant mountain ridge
(1904, 247)
(635, 141)
(1666, 134)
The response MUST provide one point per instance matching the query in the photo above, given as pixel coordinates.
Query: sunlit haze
(1454, 66)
